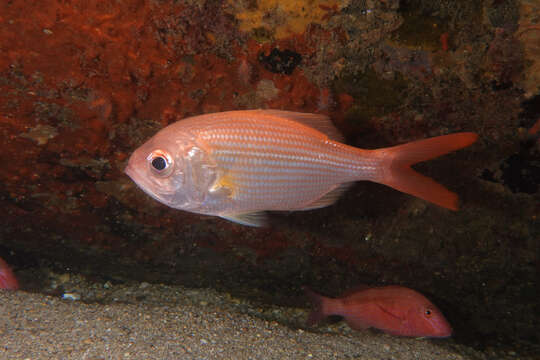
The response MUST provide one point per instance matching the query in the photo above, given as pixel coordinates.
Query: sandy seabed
(38, 326)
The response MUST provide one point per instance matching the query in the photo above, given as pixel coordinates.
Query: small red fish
(8, 281)
(396, 310)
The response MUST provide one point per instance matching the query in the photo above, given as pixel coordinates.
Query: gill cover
(200, 173)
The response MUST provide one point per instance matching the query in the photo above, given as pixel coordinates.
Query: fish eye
(428, 312)
(160, 162)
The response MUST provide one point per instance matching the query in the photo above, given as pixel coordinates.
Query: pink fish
(8, 280)
(238, 164)
(396, 310)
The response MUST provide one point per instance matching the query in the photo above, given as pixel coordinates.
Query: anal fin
(328, 198)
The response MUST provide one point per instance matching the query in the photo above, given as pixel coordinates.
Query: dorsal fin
(318, 122)
(354, 290)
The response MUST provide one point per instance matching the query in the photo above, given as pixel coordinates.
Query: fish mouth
(445, 331)
(129, 171)
(137, 178)
(144, 184)
(448, 333)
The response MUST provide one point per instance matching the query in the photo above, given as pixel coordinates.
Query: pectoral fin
(224, 185)
(389, 313)
(257, 219)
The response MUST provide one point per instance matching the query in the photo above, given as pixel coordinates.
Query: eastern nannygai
(239, 164)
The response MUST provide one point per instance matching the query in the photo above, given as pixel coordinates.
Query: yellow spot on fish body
(226, 185)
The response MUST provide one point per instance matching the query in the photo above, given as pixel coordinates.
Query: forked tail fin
(401, 177)
(317, 313)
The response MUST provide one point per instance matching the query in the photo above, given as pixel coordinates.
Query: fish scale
(293, 153)
(396, 310)
(314, 165)
(237, 164)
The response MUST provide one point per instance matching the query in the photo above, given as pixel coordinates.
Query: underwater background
(84, 83)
